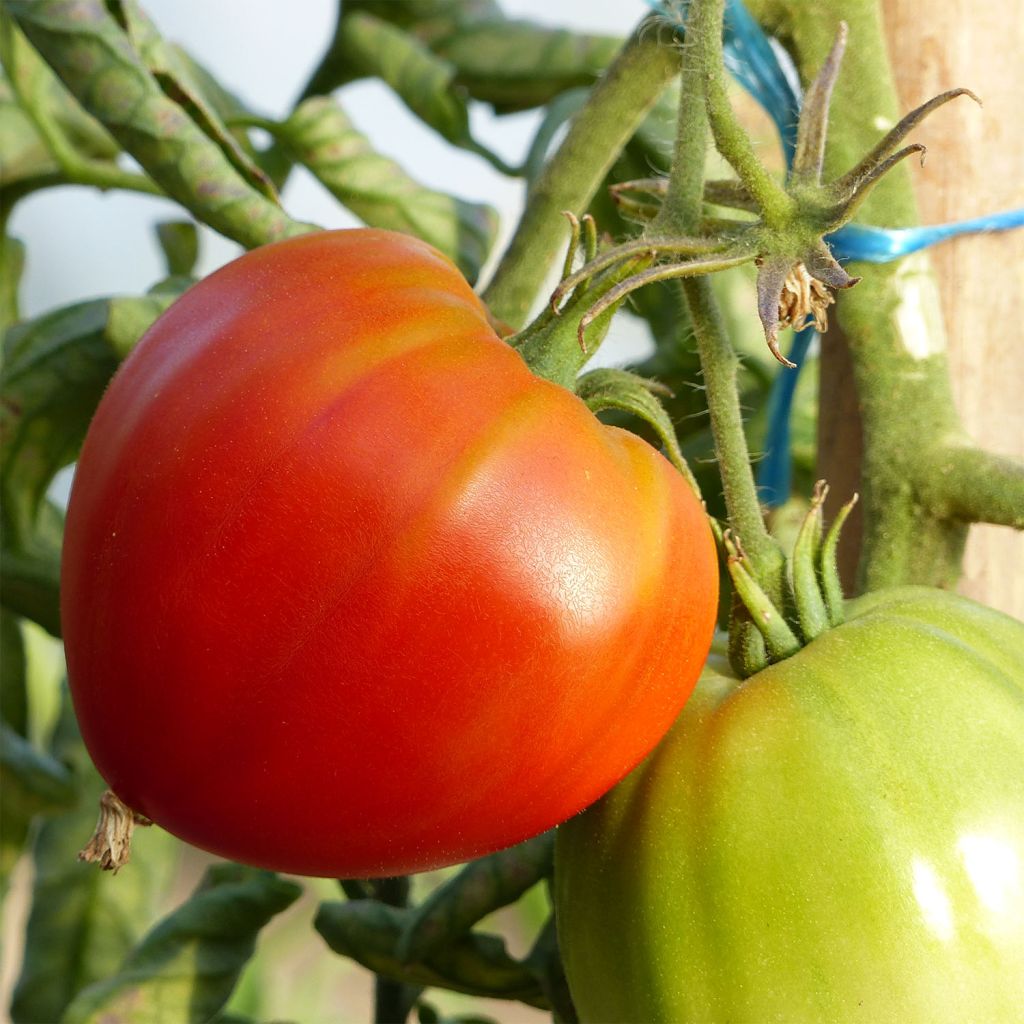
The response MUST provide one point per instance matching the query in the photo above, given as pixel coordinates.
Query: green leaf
(12, 264)
(56, 368)
(369, 931)
(545, 961)
(185, 968)
(423, 81)
(96, 61)
(25, 160)
(30, 572)
(32, 782)
(379, 192)
(480, 888)
(179, 242)
(13, 686)
(175, 74)
(14, 716)
(55, 371)
(425, 19)
(83, 921)
(34, 92)
(516, 65)
(427, 1013)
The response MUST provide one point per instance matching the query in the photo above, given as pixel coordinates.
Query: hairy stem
(681, 212)
(976, 486)
(922, 481)
(612, 113)
(732, 141)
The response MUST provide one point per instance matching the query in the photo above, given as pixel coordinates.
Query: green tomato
(839, 838)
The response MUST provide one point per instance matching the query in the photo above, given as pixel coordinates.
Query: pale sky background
(83, 243)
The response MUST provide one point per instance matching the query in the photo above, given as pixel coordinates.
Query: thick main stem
(612, 113)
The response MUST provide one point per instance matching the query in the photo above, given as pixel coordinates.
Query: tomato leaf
(14, 717)
(545, 960)
(12, 259)
(97, 63)
(56, 369)
(186, 967)
(516, 65)
(175, 77)
(379, 192)
(368, 931)
(30, 571)
(27, 161)
(23, 156)
(13, 687)
(423, 81)
(426, 19)
(82, 920)
(480, 888)
(32, 782)
(179, 242)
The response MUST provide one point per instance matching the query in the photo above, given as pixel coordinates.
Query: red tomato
(348, 591)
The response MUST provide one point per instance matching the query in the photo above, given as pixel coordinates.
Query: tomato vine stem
(680, 214)
(614, 109)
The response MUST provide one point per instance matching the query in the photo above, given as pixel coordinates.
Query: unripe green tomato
(839, 838)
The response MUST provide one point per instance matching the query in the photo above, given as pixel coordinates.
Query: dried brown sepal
(804, 299)
(111, 843)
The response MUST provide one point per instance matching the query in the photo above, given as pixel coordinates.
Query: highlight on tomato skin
(348, 591)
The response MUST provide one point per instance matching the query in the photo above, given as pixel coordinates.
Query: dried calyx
(111, 843)
(797, 273)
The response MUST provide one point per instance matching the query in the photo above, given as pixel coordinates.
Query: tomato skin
(348, 591)
(839, 838)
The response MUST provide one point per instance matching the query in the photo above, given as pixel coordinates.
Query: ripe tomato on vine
(347, 590)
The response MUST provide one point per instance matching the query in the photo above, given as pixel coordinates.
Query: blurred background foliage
(174, 936)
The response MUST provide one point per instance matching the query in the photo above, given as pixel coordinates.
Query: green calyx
(813, 593)
(568, 331)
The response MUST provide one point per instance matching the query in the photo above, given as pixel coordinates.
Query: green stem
(705, 25)
(392, 999)
(612, 113)
(764, 566)
(681, 212)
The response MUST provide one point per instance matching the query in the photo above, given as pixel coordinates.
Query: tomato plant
(352, 585)
(838, 837)
(395, 601)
